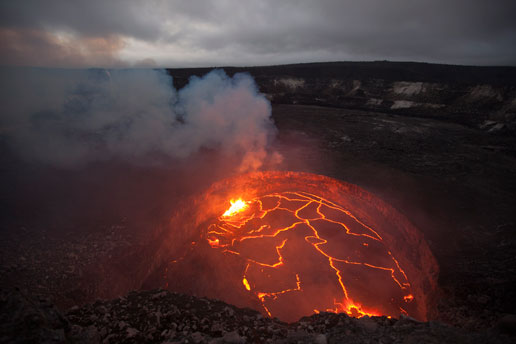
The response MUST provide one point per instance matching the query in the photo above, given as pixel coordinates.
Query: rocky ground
(50, 265)
(160, 316)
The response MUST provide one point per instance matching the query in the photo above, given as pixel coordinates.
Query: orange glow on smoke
(304, 250)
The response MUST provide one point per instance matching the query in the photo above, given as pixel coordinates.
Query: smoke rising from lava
(73, 117)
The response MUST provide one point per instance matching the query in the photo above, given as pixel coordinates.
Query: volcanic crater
(292, 244)
(395, 200)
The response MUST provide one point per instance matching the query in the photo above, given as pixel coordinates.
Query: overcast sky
(120, 33)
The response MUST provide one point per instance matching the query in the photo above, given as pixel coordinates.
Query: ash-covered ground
(436, 142)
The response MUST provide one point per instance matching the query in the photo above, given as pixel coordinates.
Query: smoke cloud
(69, 118)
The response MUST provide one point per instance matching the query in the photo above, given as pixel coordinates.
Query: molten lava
(236, 207)
(293, 244)
(303, 229)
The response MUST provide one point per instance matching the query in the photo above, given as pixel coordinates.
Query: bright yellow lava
(236, 207)
(246, 284)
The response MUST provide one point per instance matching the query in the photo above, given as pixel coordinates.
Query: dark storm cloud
(264, 32)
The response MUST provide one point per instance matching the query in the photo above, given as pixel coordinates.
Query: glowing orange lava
(291, 244)
(304, 249)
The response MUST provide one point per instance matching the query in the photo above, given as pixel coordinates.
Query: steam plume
(73, 117)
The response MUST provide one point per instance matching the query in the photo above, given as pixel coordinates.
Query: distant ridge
(385, 70)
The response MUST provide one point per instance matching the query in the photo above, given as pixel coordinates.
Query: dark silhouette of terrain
(390, 71)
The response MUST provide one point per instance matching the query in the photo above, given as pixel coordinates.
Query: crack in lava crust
(299, 225)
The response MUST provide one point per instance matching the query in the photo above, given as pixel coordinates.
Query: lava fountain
(292, 244)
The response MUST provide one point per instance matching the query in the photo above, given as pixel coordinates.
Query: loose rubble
(160, 316)
(46, 264)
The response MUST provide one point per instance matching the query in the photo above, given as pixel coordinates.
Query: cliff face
(483, 97)
(490, 107)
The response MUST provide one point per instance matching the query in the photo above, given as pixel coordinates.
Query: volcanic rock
(24, 319)
(186, 319)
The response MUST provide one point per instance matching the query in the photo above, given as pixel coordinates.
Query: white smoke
(73, 117)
